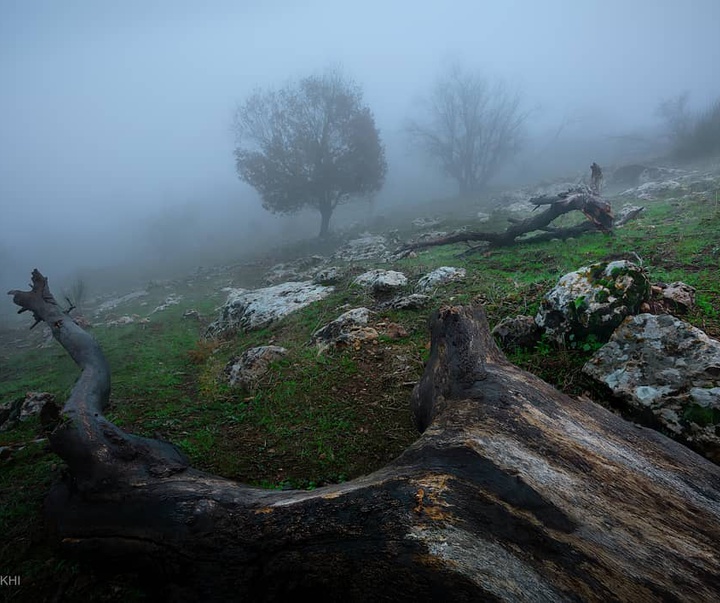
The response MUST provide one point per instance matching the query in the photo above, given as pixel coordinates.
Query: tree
(676, 118)
(471, 127)
(512, 492)
(310, 144)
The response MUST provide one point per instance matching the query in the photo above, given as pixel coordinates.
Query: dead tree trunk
(513, 492)
(596, 209)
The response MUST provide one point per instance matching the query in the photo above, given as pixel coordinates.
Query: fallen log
(512, 492)
(597, 210)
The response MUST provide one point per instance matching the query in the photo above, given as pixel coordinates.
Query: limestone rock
(517, 332)
(414, 301)
(246, 310)
(651, 190)
(329, 275)
(381, 282)
(347, 329)
(666, 366)
(111, 304)
(593, 300)
(21, 409)
(245, 370)
(678, 297)
(297, 270)
(366, 247)
(439, 276)
(170, 300)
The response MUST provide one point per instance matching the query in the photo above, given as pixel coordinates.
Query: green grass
(317, 419)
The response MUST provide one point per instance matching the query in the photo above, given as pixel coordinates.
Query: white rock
(247, 310)
(253, 364)
(381, 281)
(439, 276)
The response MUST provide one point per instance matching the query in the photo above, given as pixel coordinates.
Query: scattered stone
(661, 364)
(381, 282)
(414, 301)
(517, 332)
(394, 330)
(367, 247)
(330, 275)
(482, 217)
(678, 297)
(650, 190)
(191, 314)
(439, 276)
(246, 310)
(170, 300)
(245, 370)
(633, 175)
(297, 270)
(21, 409)
(127, 320)
(593, 300)
(113, 303)
(426, 222)
(627, 212)
(349, 328)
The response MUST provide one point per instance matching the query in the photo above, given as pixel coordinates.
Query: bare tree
(313, 144)
(471, 126)
(676, 118)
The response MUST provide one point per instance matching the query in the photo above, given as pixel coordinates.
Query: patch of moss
(702, 415)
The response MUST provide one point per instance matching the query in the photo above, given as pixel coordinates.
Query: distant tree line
(691, 135)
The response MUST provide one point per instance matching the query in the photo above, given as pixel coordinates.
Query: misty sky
(113, 111)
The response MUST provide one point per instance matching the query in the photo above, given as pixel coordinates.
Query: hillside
(324, 416)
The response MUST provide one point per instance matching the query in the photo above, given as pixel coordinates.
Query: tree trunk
(597, 210)
(326, 211)
(513, 492)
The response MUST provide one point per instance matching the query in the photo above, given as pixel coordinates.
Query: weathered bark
(513, 492)
(597, 210)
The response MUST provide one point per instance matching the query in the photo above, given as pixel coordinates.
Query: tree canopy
(470, 126)
(309, 144)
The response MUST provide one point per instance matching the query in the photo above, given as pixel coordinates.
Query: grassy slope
(313, 419)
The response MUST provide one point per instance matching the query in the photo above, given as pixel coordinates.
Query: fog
(115, 117)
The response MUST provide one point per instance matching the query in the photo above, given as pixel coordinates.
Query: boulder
(381, 282)
(439, 276)
(170, 300)
(111, 304)
(246, 310)
(651, 190)
(593, 300)
(627, 212)
(414, 301)
(517, 332)
(21, 409)
(297, 270)
(245, 370)
(661, 365)
(366, 247)
(347, 329)
(678, 297)
(329, 275)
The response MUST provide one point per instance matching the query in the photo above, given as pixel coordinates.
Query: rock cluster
(667, 367)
